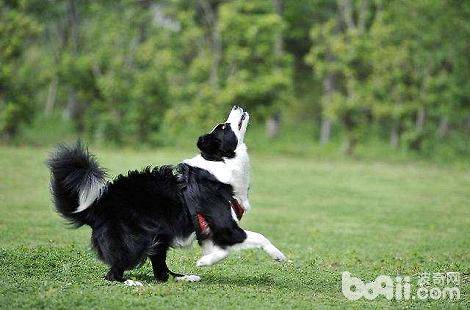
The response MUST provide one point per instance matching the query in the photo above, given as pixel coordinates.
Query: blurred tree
(125, 71)
(17, 83)
(128, 72)
(392, 83)
(255, 70)
(299, 17)
(340, 57)
(420, 43)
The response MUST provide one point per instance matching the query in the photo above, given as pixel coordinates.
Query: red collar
(236, 207)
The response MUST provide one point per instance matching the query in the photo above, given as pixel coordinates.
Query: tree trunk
(9, 132)
(51, 97)
(363, 15)
(211, 19)
(346, 18)
(467, 125)
(444, 127)
(273, 125)
(73, 109)
(420, 119)
(73, 20)
(395, 135)
(328, 89)
(351, 139)
(217, 55)
(419, 125)
(350, 146)
(347, 12)
(278, 43)
(325, 130)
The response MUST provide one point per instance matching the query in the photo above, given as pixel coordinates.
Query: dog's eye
(223, 126)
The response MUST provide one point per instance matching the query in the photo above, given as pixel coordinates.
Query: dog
(145, 213)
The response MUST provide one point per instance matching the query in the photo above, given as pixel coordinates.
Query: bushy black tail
(77, 182)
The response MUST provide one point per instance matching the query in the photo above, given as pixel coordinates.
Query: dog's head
(223, 140)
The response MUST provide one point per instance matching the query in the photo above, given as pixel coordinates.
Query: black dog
(146, 212)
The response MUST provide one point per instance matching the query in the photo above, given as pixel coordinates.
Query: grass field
(327, 216)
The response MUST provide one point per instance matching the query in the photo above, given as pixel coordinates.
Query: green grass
(328, 216)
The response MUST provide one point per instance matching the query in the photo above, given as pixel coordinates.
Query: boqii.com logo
(434, 286)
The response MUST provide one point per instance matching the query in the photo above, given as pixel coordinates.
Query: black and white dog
(146, 212)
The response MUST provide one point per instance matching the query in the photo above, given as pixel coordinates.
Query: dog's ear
(208, 144)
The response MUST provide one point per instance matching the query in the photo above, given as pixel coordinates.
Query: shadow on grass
(213, 279)
(240, 280)
(141, 276)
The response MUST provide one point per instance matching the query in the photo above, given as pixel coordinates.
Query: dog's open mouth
(240, 123)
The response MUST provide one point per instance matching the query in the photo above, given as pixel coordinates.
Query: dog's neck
(233, 171)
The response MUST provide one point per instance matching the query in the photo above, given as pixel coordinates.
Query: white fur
(188, 278)
(234, 171)
(89, 194)
(133, 283)
(183, 243)
(213, 254)
(257, 240)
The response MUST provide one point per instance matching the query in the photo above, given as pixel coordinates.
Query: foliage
(16, 71)
(256, 77)
(139, 72)
(396, 62)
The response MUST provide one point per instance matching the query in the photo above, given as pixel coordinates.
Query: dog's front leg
(213, 254)
(257, 240)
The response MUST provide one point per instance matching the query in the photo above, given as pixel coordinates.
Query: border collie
(144, 213)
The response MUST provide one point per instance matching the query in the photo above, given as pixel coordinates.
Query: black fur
(140, 215)
(220, 143)
(212, 198)
(73, 169)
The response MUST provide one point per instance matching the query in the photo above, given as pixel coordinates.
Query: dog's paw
(188, 278)
(205, 261)
(212, 258)
(275, 253)
(133, 283)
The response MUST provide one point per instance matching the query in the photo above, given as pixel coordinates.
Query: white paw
(188, 278)
(133, 283)
(275, 253)
(204, 261)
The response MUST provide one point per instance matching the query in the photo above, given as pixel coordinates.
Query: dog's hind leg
(115, 274)
(161, 270)
(158, 259)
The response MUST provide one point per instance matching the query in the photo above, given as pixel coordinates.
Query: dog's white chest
(241, 176)
(234, 171)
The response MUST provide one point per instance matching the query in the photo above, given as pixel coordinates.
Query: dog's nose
(236, 107)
